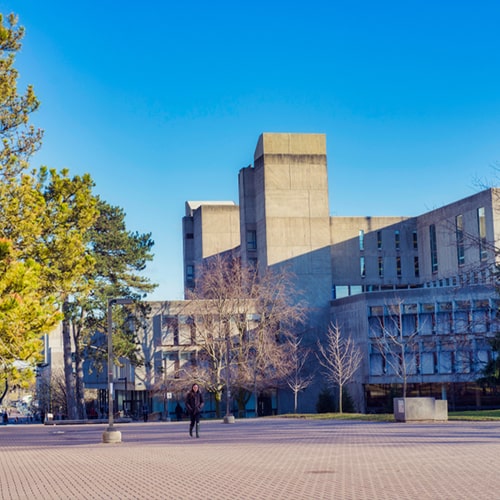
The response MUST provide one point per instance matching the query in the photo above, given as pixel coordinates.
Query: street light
(229, 417)
(111, 435)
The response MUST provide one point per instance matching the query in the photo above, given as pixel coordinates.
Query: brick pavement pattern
(253, 459)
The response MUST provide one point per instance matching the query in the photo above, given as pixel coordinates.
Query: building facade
(433, 276)
(429, 281)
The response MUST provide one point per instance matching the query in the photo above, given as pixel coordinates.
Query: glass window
(189, 273)
(459, 230)
(169, 330)
(341, 291)
(379, 240)
(362, 267)
(398, 266)
(376, 310)
(409, 308)
(397, 239)
(481, 220)
(361, 239)
(416, 267)
(251, 240)
(433, 245)
(380, 267)
(415, 241)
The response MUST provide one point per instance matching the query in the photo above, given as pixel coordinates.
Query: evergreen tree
(79, 244)
(491, 372)
(26, 312)
(19, 139)
(326, 401)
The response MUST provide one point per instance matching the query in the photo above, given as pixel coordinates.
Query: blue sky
(163, 102)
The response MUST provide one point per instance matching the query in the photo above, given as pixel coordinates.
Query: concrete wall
(209, 228)
(444, 220)
(347, 253)
(291, 210)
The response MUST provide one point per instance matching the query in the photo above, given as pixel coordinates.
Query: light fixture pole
(229, 417)
(111, 435)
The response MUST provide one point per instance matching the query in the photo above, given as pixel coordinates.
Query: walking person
(194, 405)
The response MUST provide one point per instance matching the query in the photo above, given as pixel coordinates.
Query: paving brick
(255, 458)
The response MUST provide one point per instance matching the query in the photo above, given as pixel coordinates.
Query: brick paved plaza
(253, 459)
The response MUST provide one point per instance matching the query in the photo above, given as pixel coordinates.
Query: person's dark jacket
(194, 402)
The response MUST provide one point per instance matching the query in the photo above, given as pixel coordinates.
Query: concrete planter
(420, 410)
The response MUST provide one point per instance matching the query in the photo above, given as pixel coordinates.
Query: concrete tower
(284, 214)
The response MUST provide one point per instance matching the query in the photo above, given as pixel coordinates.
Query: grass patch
(478, 416)
(378, 417)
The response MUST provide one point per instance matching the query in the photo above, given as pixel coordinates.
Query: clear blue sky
(163, 102)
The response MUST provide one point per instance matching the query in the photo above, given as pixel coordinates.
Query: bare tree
(297, 380)
(340, 358)
(241, 322)
(397, 345)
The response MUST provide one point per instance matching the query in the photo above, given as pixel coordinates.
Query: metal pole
(229, 418)
(110, 366)
(228, 378)
(111, 435)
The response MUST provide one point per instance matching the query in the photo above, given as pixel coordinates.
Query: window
(379, 240)
(189, 236)
(397, 239)
(459, 230)
(416, 267)
(189, 273)
(251, 240)
(376, 310)
(362, 267)
(361, 239)
(415, 241)
(341, 291)
(169, 330)
(433, 244)
(380, 267)
(481, 221)
(398, 266)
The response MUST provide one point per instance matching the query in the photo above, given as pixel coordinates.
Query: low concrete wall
(88, 421)
(420, 410)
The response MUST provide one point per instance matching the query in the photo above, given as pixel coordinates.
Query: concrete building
(430, 278)
(438, 268)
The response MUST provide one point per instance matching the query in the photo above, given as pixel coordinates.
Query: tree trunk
(6, 388)
(69, 379)
(79, 383)
(80, 388)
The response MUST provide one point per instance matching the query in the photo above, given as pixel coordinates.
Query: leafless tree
(397, 345)
(340, 357)
(297, 379)
(241, 322)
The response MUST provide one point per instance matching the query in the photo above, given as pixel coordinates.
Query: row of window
(397, 240)
(443, 362)
(380, 266)
(460, 237)
(460, 305)
(460, 243)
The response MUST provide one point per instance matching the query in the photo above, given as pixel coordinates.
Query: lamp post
(111, 435)
(229, 417)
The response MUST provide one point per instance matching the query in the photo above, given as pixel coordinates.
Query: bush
(347, 402)
(326, 401)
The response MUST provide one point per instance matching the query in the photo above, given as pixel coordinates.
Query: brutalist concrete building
(431, 278)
